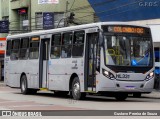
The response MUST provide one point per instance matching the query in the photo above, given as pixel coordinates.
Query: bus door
(91, 61)
(43, 63)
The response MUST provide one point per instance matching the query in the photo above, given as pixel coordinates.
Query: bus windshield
(121, 50)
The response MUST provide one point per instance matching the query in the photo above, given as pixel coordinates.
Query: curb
(2, 84)
(154, 93)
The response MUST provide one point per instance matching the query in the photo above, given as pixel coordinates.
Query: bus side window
(24, 48)
(15, 49)
(9, 47)
(56, 46)
(66, 45)
(34, 48)
(78, 44)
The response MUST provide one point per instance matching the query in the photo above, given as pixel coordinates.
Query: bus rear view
(128, 61)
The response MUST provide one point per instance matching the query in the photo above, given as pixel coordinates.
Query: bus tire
(137, 95)
(75, 92)
(121, 96)
(24, 85)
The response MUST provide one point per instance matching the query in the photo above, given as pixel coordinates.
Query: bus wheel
(137, 95)
(75, 93)
(121, 96)
(24, 89)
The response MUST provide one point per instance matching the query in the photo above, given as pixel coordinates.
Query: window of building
(66, 45)
(24, 48)
(5, 18)
(9, 47)
(39, 20)
(34, 48)
(24, 22)
(13, 0)
(58, 17)
(15, 49)
(78, 44)
(56, 48)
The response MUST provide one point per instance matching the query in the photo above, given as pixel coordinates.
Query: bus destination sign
(126, 29)
(35, 38)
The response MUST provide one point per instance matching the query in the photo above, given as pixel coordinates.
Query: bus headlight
(108, 74)
(150, 76)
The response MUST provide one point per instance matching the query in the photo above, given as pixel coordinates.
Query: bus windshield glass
(125, 50)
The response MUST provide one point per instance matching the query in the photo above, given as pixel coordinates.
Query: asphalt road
(12, 99)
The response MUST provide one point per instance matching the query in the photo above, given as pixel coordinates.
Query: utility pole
(30, 16)
(66, 17)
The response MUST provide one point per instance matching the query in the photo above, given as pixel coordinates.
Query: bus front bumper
(108, 85)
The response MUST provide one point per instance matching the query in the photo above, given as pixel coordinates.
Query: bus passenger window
(9, 47)
(56, 48)
(24, 48)
(78, 44)
(34, 48)
(15, 49)
(66, 52)
(66, 45)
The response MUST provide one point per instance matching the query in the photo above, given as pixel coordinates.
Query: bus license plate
(130, 87)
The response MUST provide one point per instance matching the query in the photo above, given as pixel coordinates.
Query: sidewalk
(154, 94)
(2, 83)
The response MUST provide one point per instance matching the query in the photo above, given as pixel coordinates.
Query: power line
(121, 12)
(110, 9)
(125, 11)
(72, 4)
(88, 6)
(79, 8)
(101, 3)
(20, 21)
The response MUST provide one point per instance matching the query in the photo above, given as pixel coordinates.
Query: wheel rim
(76, 88)
(23, 85)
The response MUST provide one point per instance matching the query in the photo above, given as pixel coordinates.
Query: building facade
(27, 15)
(4, 13)
(33, 15)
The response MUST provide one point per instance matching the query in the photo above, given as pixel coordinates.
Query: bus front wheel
(76, 93)
(24, 85)
(121, 96)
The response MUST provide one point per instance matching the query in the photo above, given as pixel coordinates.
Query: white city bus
(111, 58)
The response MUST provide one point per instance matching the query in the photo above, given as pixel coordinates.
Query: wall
(154, 24)
(77, 8)
(126, 10)
(61, 7)
(4, 7)
(4, 11)
(0, 10)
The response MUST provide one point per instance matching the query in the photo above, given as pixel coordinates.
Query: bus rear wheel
(76, 93)
(121, 96)
(24, 85)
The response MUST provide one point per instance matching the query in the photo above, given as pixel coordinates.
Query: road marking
(15, 101)
(40, 105)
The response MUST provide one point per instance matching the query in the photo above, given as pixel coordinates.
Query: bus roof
(51, 31)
